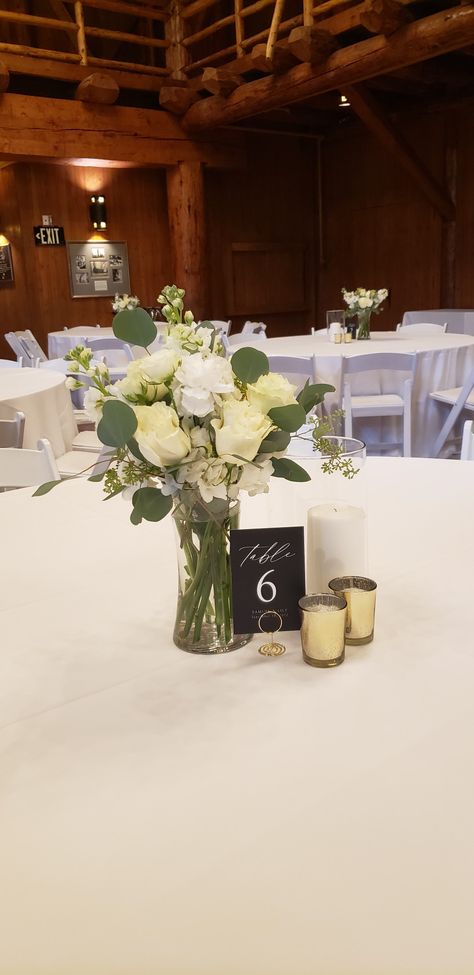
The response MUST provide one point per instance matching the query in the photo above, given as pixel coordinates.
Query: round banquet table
(41, 394)
(60, 342)
(168, 813)
(442, 363)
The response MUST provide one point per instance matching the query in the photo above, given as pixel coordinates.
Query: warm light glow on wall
(3, 240)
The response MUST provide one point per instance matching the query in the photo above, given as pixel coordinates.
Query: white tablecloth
(60, 342)
(443, 362)
(42, 396)
(458, 319)
(172, 814)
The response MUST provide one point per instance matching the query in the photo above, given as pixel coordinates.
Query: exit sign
(49, 236)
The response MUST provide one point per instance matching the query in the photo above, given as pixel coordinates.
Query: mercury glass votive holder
(359, 594)
(323, 628)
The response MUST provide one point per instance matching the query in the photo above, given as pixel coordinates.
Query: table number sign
(267, 574)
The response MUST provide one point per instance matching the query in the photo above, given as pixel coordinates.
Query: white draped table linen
(183, 815)
(41, 394)
(443, 362)
(62, 341)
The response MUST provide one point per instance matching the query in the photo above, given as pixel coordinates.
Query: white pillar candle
(336, 543)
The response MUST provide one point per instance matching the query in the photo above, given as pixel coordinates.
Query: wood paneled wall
(265, 258)
(40, 298)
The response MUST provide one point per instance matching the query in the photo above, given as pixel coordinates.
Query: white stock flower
(201, 380)
(189, 338)
(159, 435)
(212, 483)
(93, 403)
(255, 477)
(270, 391)
(240, 432)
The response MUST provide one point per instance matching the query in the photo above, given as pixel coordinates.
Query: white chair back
(421, 329)
(24, 344)
(458, 399)
(12, 426)
(389, 402)
(253, 328)
(113, 351)
(467, 446)
(11, 363)
(319, 331)
(27, 468)
(81, 329)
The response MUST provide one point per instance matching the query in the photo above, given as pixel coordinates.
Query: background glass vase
(204, 609)
(363, 323)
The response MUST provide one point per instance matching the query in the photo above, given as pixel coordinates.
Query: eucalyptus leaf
(249, 364)
(312, 394)
(45, 488)
(151, 504)
(97, 477)
(284, 467)
(118, 424)
(134, 325)
(135, 450)
(206, 324)
(289, 418)
(275, 441)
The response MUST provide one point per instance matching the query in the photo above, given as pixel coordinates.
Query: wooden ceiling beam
(177, 98)
(368, 110)
(384, 16)
(281, 59)
(53, 128)
(445, 31)
(311, 44)
(218, 81)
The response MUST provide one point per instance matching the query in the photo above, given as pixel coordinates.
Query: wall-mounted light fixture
(98, 212)
(344, 102)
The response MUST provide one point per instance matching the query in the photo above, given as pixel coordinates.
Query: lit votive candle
(338, 337)
(347, 336)
(336, 542)
(359, 594)
(323, 626)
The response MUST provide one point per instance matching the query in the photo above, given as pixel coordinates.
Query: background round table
(235, 814)
(62, 341)
(443, 362)
(41, 394)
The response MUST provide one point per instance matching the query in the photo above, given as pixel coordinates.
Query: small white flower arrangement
(125, 303)
(364, 302)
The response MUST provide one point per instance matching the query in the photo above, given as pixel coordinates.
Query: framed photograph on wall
(6, 264)
(98, 269)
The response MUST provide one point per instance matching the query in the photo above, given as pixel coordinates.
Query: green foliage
(312, 394)
(275, 441)
(289, 418)
(118, 423)
(284, 467)
(134, 325)
(45, 488)
(150, 504)
(249, 364)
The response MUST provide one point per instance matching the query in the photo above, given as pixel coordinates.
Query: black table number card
(267, 574)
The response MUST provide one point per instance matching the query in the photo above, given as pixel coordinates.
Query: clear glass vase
(204, 611)
(363, 323)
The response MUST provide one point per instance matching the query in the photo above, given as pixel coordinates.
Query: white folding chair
(319, 331)
(253, 328)
(460, 398)
(467, 446)
(27, 468)
(81, 329)
(382, 403)
(24, 344)
(11, 363)
(12, 426)
(297, 369)
(113, 351)
(421, 329)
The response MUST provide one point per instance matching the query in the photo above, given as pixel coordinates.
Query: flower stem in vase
(363, 329)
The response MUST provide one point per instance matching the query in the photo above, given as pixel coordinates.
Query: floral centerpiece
(364, 303)
(188, 431)
(125, 303)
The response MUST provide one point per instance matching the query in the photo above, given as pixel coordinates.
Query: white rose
(148, 376)
(240, 432)
(270, 391)
(254, 478)
(201, 380)
(365, 302)
(159, 435)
